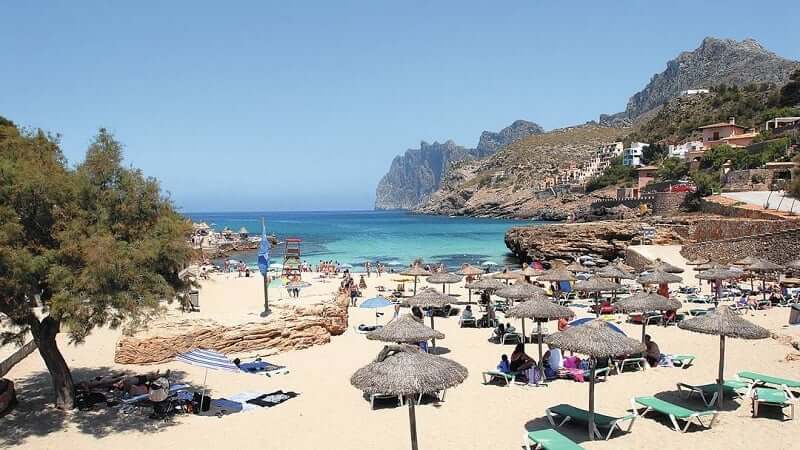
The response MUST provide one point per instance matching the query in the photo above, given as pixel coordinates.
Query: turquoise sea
(392, 237)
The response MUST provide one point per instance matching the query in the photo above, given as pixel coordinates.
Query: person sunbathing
(652, 352)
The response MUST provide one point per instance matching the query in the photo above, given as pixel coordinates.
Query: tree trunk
(44, 334)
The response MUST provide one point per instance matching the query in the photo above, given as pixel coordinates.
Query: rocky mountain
(715, 62)
(413, 176)
(506, 183)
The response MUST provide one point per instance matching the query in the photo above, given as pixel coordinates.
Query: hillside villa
(632, 156)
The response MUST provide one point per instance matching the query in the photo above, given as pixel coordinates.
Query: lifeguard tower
(291, 257)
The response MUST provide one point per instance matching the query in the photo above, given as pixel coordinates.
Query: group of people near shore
(378, 268)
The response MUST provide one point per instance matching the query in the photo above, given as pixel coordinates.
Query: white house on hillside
(632, 156)
(680, 150)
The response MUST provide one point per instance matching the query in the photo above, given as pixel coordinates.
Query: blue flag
(263, 251)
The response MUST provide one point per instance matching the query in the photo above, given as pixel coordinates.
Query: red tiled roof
(720, 125)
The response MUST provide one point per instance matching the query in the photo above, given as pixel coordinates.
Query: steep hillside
(504, 184)
(417, 173)
(715, 62)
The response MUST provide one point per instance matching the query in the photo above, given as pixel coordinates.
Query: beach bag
(159, 390)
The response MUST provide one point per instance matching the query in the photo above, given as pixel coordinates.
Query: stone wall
(747, 180)
(668, 202)
(716, 229)
(779, 247)
(715, 207)
(291, 329)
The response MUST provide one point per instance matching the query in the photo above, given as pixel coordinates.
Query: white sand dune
(331, 414)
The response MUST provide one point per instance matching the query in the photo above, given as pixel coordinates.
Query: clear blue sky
(302, 105)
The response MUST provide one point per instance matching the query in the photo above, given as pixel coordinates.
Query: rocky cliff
(505, 184)
(413, 176)
(715, 62)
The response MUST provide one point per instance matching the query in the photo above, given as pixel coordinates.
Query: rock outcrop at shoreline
(294, 328)
(606, 239)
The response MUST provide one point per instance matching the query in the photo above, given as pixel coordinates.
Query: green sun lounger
(708, 392)
(566, 413)
(634, 363)
(760, 379)
(683, 360)
(675, 412)
(507, 378)
(773, 397)
(548, 439)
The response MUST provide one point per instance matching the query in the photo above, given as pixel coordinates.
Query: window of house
(716, 135)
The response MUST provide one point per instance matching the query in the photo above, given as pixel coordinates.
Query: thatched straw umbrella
(698, 261)
(764, 268)
(717, 275)
(430, 298)
(596, 285)
(746, 261)
(469, 271)
(416, 272)
(724, 323)
(794, 265)
(528, 272)
(507, 275)
(404, 370)
(444, 279)
(615, 272)
(521, 291)
(404, 329)
(484, 284)
(597, 340)
(665, 267)
(661, 278)
(575, 267)
(540, 309)
(645, 302)
(556, 274)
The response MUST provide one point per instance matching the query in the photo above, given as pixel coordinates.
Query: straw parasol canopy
(698, 261)
(540, 310)
(597, 284)
(404, 329)
(708, 265)
(763, 266)
(665, 267)
(407, 371)
(794, 264)
(520, 290)
(469, 270)
(443, 278)
(615, 272)
(529, 271)
(644, 302)
(297, 284)
(415, 271)
(486, 284)
(506, 275)
(718, 274)
(597, 340)
(724, 323)
(431, 298)
(575, 266)
(659, 277)
(746, 261)
(557, 273)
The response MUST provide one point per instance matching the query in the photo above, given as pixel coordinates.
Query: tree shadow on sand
(35, 416)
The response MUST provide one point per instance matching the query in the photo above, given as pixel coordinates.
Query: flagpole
(265, 268)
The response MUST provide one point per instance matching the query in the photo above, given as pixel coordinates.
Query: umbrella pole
(764, 288)
(539, 339)
(524, 338)
(591, 398)
(415, 285)
(266, 294)
(433, 340)
(443, 286)
(470, 296)
(203, 394)
(412, 420)
(644, 325)
(721, 378)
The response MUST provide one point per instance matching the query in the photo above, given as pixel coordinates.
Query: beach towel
(272, 399)
(261, 367)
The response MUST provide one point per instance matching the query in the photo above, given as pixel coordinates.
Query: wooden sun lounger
(548, 439)
(675, 412)
(568, 413)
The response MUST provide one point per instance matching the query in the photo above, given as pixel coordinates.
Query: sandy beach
(330, 413)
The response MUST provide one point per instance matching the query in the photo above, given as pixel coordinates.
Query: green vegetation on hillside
(751, 105)
(616, 173)
(745, 158)
(673, 169)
